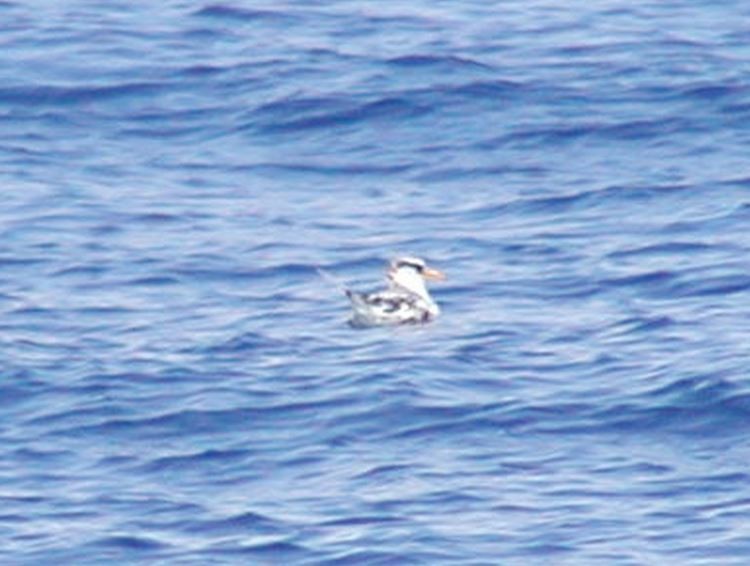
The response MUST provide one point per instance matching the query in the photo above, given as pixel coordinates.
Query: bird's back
(385, 308)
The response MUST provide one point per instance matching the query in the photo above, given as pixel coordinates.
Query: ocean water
(177, 384)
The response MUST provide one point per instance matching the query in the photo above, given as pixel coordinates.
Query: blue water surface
(179, 386)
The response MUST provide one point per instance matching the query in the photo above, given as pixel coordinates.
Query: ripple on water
(179, 384)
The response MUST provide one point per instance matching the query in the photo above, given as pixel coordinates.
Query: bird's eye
(416, 266)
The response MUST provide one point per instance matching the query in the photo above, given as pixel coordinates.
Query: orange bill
(433, 274)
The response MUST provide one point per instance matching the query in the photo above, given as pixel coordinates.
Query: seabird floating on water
(405, 301)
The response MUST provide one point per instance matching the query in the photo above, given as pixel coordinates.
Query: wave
(691, 407)
(53, 96)
(460, 64)
(229, 12)
(384, 109)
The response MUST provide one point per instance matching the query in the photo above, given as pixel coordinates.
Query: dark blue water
(180, 387)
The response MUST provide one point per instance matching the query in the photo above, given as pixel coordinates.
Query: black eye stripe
(416, 266)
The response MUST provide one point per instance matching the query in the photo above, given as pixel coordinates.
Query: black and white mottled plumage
(405, 301)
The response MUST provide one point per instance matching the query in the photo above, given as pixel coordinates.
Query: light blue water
(179, 386)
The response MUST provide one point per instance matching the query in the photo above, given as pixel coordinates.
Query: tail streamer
(332, 279)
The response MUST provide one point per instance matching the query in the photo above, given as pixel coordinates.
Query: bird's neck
(414, 285)
(417, 287)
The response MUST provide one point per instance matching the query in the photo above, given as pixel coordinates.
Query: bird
(406, 300)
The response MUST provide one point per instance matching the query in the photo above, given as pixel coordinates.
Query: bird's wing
(386, 307)
(391, 303)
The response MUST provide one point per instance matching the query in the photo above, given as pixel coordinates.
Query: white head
(409, 273)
